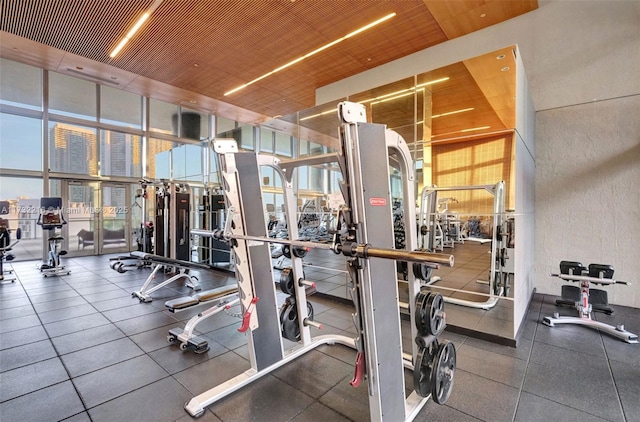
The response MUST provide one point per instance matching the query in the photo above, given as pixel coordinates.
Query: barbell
(347, 248)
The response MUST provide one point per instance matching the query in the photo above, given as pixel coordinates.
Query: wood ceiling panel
(234, 42)
(457, 18)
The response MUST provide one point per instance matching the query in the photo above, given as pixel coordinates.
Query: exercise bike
(5, 242)
(585, 300)
(51, 218)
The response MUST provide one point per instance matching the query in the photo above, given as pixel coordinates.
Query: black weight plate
(497, 283)
(286, 281)
(507, 284)
(443, 371)
(299, 252)
(421, 271)
(423, 368)
(289, 320)
(421, 316)
(286, 251)
(435, 312)
(290, 326)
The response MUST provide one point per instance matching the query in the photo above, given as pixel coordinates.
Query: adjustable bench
(586, 300)
(225, 297)
(182, 271)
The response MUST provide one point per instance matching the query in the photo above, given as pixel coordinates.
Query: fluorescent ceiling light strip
(393, 98)
(452, 112)
(435, 81)
(475, 128)
(422, 85)
(135, 28)
(462, 131)
(317, 50)
(318, 115)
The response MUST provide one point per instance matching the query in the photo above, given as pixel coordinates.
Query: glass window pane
(224, 125)
(73, 149)
(21, 146)
(120, 154)
(120, 108)
(187, 163)
(315, 149)
(283, 144)
(158, 159)
(304, 148)
(195, 125)
(23, 195)
(246, 138)
(161, 116)
(20, 85)
(266, 140)
(72, 96)
(267, 176)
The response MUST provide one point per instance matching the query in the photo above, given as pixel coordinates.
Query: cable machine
(380, 361)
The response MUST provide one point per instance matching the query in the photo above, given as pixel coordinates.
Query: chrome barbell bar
(348, 248)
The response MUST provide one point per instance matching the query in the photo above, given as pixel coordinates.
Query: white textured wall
(588, 192)
(582, 60)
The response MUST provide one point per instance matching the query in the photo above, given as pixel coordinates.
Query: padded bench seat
(202, 297)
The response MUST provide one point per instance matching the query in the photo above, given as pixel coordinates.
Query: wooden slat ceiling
(193, 51)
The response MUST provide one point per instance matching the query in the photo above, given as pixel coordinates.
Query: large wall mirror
(460, 124)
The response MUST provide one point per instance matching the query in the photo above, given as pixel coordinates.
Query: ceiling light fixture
(461, 131)
(135, 28)
(475, 128)
(452, 112)
(318, 115)
(402, 91)
(317, 50)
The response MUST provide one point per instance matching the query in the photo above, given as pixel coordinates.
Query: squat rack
(380, 359)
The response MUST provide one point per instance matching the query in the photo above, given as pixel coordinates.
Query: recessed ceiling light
(500, 57)
(317, 50)
(504, 69)
(196, 65)
(79, 67)
(483, 15)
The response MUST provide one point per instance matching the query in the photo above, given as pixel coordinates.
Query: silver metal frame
(427, 215)
(367, 194)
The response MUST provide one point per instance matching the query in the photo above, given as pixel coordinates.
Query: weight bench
(124, 263)
(226, 297)
(182, 271)
(584, 302)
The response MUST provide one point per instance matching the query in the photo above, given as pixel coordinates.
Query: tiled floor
(79, 348)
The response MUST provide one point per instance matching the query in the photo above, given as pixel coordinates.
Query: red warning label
(377, 202)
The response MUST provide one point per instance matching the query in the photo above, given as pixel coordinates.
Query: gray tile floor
(79, 348)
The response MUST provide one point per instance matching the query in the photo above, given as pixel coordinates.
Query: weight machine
(51, 218)
(429, 223)
(172, 205)
(380, 360)
(5, 242)
(586, 300)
